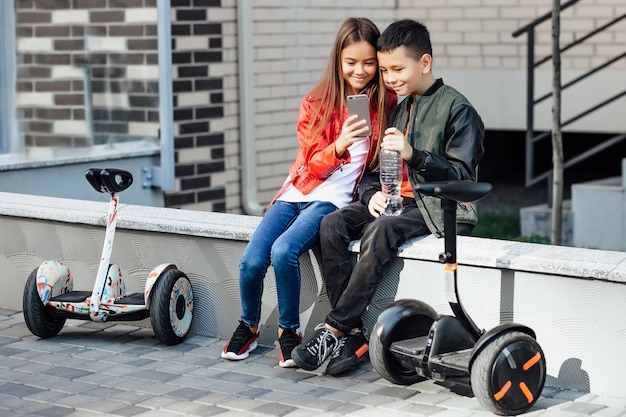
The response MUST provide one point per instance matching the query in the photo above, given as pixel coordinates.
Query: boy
(440, 137)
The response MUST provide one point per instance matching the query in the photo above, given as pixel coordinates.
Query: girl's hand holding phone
(351, 132)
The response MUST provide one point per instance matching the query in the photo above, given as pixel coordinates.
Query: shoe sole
(302, 365)
(232, 356)
(289, 363)
(354, 361)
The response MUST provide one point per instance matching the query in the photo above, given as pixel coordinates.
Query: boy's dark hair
(408, 33)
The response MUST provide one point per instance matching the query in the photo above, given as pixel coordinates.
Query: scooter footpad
(410, 347)
(457, 360)
(72, 297)
(135, 299)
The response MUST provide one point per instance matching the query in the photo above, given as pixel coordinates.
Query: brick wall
(477, 33)
(292, 43)
(291, 40)
(115, 42)
(197, 53)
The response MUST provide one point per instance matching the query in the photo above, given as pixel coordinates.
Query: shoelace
(339, 348)
(319, 346)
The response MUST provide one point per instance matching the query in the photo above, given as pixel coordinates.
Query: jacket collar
(433, 88)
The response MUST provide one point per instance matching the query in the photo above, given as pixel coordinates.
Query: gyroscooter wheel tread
(42, 321)
(171, 307)
(389, 367)
(401, 320)
(508, 375)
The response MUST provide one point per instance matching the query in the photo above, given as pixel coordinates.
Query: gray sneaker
(312, 354)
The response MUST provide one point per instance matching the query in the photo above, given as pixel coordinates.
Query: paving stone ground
(108, 369)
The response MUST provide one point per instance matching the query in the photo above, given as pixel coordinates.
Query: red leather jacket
(316, 159)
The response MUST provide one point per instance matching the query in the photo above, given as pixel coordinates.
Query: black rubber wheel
(508, 375)
(399, 321)
(42, 321)
(171, 307)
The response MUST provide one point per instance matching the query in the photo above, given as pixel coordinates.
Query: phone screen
(359, 104)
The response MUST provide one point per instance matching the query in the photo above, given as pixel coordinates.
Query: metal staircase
(534, 138)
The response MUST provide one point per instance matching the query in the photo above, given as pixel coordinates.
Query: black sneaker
(350, 350)
(288, 341)
(320, 346)
(241, 344)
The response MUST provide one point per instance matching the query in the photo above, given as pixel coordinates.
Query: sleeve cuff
(418, 160)
(367, 195)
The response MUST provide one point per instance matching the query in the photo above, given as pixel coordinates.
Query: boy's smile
(404, 74)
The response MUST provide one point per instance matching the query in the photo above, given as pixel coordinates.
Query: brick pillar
(198, 107)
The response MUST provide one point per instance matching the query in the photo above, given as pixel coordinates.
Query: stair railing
(531, 102)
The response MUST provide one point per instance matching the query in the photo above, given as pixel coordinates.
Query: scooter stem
(449, 227)
(450, 267)
(103, 269)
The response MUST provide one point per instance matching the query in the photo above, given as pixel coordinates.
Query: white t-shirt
(337, 188)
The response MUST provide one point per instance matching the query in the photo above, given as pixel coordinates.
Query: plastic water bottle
(391, 180)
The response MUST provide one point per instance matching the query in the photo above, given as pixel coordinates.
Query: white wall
(500, 97)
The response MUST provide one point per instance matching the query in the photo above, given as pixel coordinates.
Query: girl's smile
(358, 65)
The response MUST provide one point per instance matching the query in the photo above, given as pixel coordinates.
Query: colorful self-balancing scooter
(49, 295)
(504, 367)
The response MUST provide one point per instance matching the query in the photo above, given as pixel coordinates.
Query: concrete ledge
(529, 257)
(132, 217)
(489, 253)
(572, 298)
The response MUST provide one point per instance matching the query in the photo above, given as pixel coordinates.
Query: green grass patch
(497, 226)
(503, 227)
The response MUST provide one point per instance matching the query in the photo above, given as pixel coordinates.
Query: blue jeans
(286, 231)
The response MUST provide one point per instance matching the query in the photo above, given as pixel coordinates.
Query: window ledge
(55, 156)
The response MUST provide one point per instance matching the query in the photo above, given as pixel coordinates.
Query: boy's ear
(426, 62)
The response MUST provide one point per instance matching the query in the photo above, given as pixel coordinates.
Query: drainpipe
(246, 109)
(12, 142)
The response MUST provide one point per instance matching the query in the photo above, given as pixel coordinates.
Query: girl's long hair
(331, 89)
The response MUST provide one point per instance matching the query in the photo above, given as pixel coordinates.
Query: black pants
(350, 291)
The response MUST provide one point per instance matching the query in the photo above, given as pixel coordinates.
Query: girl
(331, 159)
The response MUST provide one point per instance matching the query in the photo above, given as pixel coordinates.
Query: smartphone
(359, 104)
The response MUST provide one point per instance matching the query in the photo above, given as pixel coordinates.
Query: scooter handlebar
(109, 180)
(461, 191)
